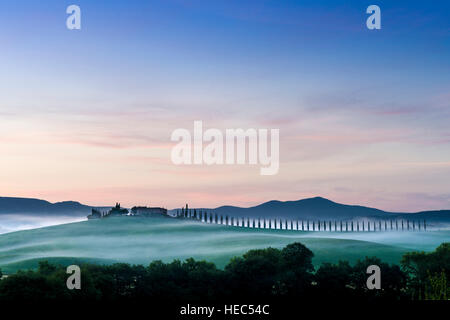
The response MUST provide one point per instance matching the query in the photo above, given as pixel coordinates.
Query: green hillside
(141, 240)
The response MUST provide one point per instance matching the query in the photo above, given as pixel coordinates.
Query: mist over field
(17, 222)
(142, 240)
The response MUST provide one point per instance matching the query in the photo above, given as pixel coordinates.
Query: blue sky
(363, 114)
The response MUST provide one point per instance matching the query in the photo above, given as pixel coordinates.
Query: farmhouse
(148, 211)
(118, 211)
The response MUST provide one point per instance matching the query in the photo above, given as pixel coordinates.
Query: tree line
(260, 274)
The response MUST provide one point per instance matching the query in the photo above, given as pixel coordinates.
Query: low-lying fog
(16, 222)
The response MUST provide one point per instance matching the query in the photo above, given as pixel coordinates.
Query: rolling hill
(142, 240)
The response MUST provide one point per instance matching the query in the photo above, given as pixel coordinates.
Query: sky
(364, 115)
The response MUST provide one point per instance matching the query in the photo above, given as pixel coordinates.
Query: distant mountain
(29, 206)
(312, 208)
(321, 208)
(437, 215)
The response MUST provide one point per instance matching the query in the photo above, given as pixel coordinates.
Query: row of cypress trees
(301, 225)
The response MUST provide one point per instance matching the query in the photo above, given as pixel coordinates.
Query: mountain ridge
(33, 206)
(322, 208)
(308, 208)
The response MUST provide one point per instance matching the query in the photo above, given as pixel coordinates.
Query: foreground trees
(429, 273)
(259, 274)
(343, 280)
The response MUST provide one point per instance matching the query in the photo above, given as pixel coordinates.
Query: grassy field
(142, 240)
